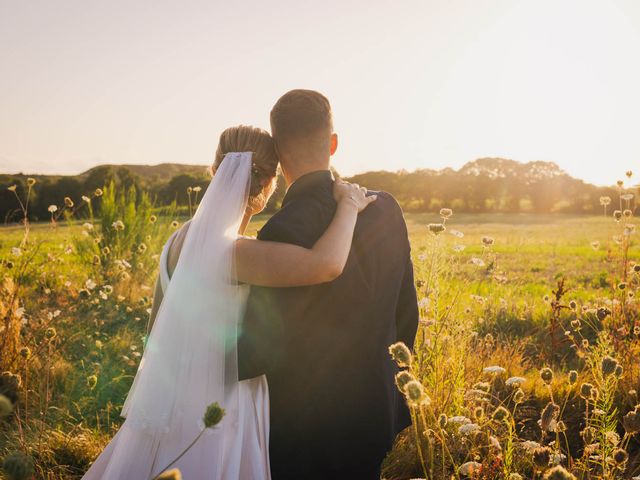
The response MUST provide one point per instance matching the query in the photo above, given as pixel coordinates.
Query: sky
(413, 84)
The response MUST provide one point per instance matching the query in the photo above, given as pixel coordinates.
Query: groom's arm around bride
(335, 410)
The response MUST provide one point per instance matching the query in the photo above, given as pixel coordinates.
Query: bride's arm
(275, 264)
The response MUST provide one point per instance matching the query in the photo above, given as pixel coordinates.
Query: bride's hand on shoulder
(352, 194)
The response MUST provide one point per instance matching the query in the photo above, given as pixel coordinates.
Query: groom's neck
(293, 174)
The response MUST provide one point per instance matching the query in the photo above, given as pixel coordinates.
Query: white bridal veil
(190, 360)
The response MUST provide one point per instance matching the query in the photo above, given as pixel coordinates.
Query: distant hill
(162, 171)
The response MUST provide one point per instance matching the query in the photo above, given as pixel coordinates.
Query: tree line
(484, 185)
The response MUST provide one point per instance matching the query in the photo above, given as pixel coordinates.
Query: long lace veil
(190, 359)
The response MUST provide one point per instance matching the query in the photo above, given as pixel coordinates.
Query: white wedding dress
(190, 360)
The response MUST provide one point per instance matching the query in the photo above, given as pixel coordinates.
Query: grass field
(526, 294)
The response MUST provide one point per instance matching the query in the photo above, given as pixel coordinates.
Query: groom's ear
(334, 143)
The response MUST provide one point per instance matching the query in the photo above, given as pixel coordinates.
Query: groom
(335, 409)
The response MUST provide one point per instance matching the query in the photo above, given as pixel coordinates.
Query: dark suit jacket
(324, 348)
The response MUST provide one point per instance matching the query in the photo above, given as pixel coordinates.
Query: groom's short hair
(301, 116)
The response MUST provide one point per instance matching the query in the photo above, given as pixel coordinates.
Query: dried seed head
(620, 456)
(608, 365)
(6, 407)
(559, 473)
(442, 420)
(400, 354)
(500, 414)
(631, 421)
(546, 374)
(402, 378)
(548, 416)
(542, 456)
(518, 396)
(573, 377)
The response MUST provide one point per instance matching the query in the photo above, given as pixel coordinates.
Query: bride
(190, 359)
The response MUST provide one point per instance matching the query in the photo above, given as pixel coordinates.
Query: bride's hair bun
(245, 138)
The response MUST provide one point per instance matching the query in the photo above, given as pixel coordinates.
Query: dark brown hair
(300, 115)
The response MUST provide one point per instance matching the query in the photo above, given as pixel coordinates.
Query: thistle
(542, 457)
(631, 421)
(400, 354)
(559, 473)
(402, 378)
(608, 365)
(546, 374)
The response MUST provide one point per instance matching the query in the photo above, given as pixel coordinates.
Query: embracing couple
(288, 332)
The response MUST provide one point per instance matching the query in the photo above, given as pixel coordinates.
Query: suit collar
(310, 182)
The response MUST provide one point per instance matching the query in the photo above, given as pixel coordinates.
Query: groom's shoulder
(289, 219)
(386, 204)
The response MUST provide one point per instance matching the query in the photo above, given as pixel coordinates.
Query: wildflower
(92, 381)
(436, 228)
(118, 225)
(546, 374)
(197, 189)
(478, 413)
(442, 420)
(620, 183)
(142, 248)
(573, 305)
(12, 188)
(153, 219)
(456, 233)
(608, 365)
(52, 208)
(515, 381)
(173, 474)
(458, 248)
(627, 213)
(461, 419)
(86, 199)
(482, 386)
(617, 215)
(548, 416)
(470, 469)
(586, 390)
(494, 370)
(98, 192)
(31, 181)
(500, 414)
(25, 352)
(16, 251)
(595, 245)
(620, 456)
(18, 466)
(50, 333)
(402, 378)
(175, 224)
(477, 261)
(604, 201)
(108, 289)
(213, 415)
(446, 213)
(530, 445)
(90, 284)
(573, 377)
(612, 437)
(559, 473)
(518, 396)
(468, 428)
(636, 268)
(602, 313)
(401, 354)
(560, 427)
(622, 286)
(68, 202)
(542, 456)
(106, 250)
(585, 343)
(189, 190)
(96, 260)
(575, 324)
(631, 421)
(487, 241)
(6, 407)
(619, 371)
